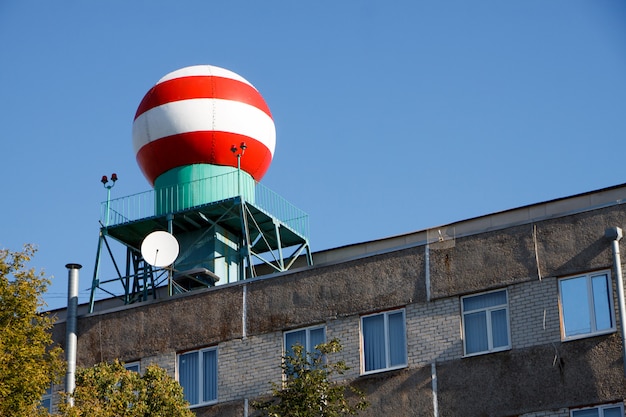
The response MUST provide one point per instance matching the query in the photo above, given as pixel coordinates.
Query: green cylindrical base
(194, 185)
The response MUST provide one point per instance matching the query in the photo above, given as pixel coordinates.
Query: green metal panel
(215, 248)
(141, 206)
(194, 185)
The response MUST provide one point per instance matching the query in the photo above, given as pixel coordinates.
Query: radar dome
(195, 115)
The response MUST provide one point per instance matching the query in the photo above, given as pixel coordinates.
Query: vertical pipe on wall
(615, 234)
(170, 272)
(433, 377)
(70, 330)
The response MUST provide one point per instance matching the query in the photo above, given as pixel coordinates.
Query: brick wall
(346, 329)
(534, 313)
(433, 331)
(246, 366)
(165, 360)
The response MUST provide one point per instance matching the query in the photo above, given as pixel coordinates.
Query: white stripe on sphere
(204, 70)
(204, 115)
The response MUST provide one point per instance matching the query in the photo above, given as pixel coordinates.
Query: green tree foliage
(309, 389)
(29, 363)
(110, 390)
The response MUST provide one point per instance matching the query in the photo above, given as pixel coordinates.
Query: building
(514, 313)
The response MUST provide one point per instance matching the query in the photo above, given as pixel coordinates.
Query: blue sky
(391, 117)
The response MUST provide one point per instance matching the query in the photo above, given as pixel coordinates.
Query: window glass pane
(591, 412)
(499, 328)
(188, 376)
(47, 403)
(209, 382)
(476, 332)
(575, 304)
(397, 339)
(133, 367)
(294, 338)
(374, 342)
(317, 337)
(485, 300)
(601, 303)
(613, 412)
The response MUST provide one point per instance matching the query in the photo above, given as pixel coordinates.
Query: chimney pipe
(70, 330)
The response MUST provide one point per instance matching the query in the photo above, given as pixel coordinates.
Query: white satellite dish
(160, 249)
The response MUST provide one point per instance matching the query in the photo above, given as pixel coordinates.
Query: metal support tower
(250, 237)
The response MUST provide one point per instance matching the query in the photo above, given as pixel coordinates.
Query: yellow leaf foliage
(29, 363)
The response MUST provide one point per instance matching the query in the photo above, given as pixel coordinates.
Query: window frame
(600, 409)
(387, 341)
(591, 304)
(47, 397)
(307, 335)
(200, 387)
(488, 318)
(130, 365)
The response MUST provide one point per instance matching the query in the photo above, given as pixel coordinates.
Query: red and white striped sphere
(195, 115)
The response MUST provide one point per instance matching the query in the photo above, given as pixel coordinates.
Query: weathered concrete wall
(315, 295)
(479, 262)
(519, 381)
(226, 409)
(565, 245)
(576, 243)
(182, 323)
(211, 316)
(401, 393)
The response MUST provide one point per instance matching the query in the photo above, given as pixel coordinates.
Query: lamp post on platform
(105, 182)
(238, 152)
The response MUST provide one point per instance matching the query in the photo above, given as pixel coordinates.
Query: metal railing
(185, 196)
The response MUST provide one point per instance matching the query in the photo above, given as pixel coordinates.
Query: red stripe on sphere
(190, 148)
(186, 88)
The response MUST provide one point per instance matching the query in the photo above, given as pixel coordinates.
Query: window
(586, 305)
(485, 322)
(307, 338)
(197, 374)
(132, 366)
(383, 338)
(613, 410)
(46, 400)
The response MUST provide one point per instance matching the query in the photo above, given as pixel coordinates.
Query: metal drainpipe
(170, 272)
(615, 234)
(70, 330)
